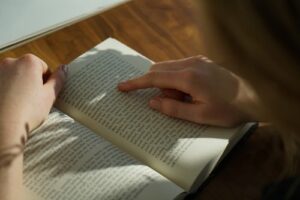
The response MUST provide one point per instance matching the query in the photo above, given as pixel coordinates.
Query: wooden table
(162, 30)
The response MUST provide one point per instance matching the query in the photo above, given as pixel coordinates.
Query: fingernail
(64, 69)
(155, 103)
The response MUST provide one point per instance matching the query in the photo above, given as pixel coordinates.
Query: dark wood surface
(163, 30)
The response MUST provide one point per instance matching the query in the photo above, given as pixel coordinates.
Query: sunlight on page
(126, 120)
(202, 150)
(97, 99)
(64, 160)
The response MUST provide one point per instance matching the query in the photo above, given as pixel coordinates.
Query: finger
(198, 113)
(7, 61)
(173, 94)
(44, 66)
(54, 85)
(158, 79)
(176, 109)
(34, 61)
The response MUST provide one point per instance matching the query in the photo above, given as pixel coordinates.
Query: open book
(100, 143)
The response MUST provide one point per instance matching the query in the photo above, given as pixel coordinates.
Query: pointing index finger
(157, 79)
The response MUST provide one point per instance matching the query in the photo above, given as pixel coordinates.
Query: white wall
(21, 19)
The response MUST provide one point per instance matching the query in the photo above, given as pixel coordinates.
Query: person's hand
(25, 98)
(194, 89)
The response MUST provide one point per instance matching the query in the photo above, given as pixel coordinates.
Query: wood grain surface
(162, 30)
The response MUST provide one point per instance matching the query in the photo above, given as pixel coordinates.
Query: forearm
(11, 187)
(11, 165)
(22, 88)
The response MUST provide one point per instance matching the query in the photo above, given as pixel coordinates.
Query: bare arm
(25, 101)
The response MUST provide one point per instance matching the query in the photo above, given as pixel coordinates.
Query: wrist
(12, 134)
(12, 143)
(247, 101)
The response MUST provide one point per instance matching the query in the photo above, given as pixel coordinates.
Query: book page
(177, 149)
(66, 161)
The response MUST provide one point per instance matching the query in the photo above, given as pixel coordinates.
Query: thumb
(54, 85)
(175, 108)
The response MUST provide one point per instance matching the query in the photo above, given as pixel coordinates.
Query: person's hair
(259, 40)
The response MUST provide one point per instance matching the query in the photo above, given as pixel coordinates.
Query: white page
(22, 19)
(178, 149)
(66, 161)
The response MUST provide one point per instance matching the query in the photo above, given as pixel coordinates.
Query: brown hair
(259, 40)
